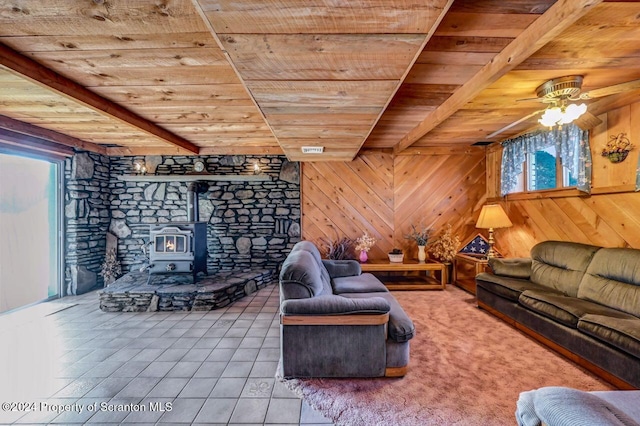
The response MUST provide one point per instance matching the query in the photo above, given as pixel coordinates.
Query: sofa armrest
(514, 268)
(342, 268)
(335, 305)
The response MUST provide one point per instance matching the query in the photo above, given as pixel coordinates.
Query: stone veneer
(86, 219)
(250, 224)
(140, 292)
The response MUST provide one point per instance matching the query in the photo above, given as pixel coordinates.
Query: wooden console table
(393, 281)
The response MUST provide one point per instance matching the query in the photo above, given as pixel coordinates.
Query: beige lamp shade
(493, 216)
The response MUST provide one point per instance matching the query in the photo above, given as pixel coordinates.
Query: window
(547, 160)
(29, 226)
(542, 170)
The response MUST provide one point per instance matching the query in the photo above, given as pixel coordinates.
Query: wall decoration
(617, 148)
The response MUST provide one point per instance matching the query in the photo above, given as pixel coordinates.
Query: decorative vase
(422, 255)
(363, 256)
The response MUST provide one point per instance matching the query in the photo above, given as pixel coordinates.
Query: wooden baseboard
(396, 371)
(588, 365)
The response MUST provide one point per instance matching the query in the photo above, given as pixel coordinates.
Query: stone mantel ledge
(194, 178)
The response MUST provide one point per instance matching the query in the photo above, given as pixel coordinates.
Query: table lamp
(492, 216)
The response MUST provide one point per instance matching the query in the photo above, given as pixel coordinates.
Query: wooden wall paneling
(608, 220)
(339, 201)
(619, 121)
(593, 228)
(384, 195)
(447, 189)
(323, 211)
(494, 160)
(611, 208)
(600, 176)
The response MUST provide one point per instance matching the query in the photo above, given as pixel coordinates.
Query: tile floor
(81, 365)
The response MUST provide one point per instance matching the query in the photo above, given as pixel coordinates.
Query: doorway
(30, 256)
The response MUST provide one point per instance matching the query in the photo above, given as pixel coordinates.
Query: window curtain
(571, 142)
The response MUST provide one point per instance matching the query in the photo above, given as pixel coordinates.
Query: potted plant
(363, 245)
(421, 237)
(339, 249)
(445, 247)
(396, 256)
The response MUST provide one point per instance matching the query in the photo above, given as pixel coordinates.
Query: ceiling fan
(561, 94)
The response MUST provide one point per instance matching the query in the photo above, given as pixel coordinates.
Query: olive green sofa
(581, 300)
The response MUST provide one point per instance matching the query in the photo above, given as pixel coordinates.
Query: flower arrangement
(110, 268)
(365, 242)
(421, 237)
(445, 247)
(617, 148)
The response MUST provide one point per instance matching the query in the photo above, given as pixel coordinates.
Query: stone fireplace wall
(250, 224)
(86, 219)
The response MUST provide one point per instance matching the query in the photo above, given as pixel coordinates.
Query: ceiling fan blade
(515, 123)
(611, 90)
(528, 99)
(587, 121)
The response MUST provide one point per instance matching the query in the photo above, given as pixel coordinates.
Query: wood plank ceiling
(271, 76)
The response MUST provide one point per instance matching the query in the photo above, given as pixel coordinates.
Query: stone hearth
(141, 292)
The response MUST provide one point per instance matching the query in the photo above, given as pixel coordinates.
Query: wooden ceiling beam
(51, 135)
(28, 68)
(220, 150)
(555, 20)
(26, 143)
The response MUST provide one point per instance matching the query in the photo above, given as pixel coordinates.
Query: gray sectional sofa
(581, 300)
(337, 321)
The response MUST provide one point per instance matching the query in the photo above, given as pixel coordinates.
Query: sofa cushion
(514, 267)
(311, 248)
(341, 268)
(560, 265)
(564, 309)
(365, 283)
(300, 277)
(613, 279)
(334, 305)
(565, 406)
(509, 288)
(401, 328)
(623, 333)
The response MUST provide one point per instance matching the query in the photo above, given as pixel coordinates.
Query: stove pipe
(194, 188)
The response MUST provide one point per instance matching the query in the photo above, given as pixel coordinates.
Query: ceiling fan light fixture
(574, 111)
(559, 115)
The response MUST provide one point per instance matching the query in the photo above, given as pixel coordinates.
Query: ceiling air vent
(312, 149)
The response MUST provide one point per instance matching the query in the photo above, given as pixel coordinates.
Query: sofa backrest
(301, 276)
(560, 264)
(613, 279)
(311, 248)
